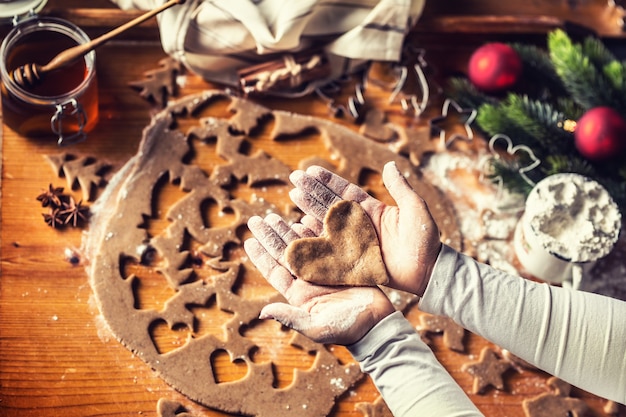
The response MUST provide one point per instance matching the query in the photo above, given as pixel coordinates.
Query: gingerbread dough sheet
(203, 267)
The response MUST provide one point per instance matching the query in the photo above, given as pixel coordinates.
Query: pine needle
(466, 95)
(583, 81)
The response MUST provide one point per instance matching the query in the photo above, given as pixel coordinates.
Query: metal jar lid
(15, 10)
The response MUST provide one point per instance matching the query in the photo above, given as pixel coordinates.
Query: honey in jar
(64, 103)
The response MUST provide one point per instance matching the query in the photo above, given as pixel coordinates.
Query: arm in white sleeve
(407, 373)
(577, 336)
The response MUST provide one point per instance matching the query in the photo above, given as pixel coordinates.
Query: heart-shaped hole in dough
(226, 368)
(347, 252)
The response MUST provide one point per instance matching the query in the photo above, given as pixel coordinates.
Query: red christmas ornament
(600, 134)
(494, 67)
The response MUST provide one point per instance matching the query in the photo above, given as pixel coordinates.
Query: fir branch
(466, 94)
(538, 118)
(521, 110)
(615, 72)
(584, 82)
(508, 173)
(494, 119)
(539, 71)
(597, 52)
(561, 163)
(569, 108)
(527, 122)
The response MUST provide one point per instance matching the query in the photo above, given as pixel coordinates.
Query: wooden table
(55, 357)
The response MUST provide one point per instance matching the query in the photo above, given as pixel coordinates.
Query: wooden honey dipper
(30, 74)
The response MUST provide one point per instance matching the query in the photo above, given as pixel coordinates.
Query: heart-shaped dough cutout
(347, 252)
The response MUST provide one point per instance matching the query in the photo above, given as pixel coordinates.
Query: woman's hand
(409, 237)
(340, 315)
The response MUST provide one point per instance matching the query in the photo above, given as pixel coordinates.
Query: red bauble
(494, 67)
(600, 134)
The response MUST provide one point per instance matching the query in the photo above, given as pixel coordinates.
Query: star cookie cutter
(471, 114)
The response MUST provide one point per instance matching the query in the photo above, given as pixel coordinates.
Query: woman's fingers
(267, 236)
(277, 275)
(281, 228)
(337, 185)
(287, 315)
(317, 189)
(303, 231)
(313, 224)
(399, 188)
(273, 233)
(308, 204)
(314, 187)
(267, 249)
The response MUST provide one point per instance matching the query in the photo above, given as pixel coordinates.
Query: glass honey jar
(64, 103)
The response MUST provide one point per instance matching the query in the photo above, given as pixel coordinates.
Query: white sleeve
(577, 336)
(407, 373)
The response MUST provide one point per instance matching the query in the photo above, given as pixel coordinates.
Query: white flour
(574, 217)
(486, 215)
(339, 321)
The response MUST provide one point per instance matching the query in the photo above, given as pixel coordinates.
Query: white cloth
(577, 336)
(215, 38)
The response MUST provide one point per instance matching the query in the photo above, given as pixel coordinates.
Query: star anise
(51, 197)
(74, 212)
(52, 218)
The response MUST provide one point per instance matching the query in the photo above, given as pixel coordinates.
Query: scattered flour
(486, 214)
(339, 322)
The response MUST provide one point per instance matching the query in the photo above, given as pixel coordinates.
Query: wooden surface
(56, 359)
